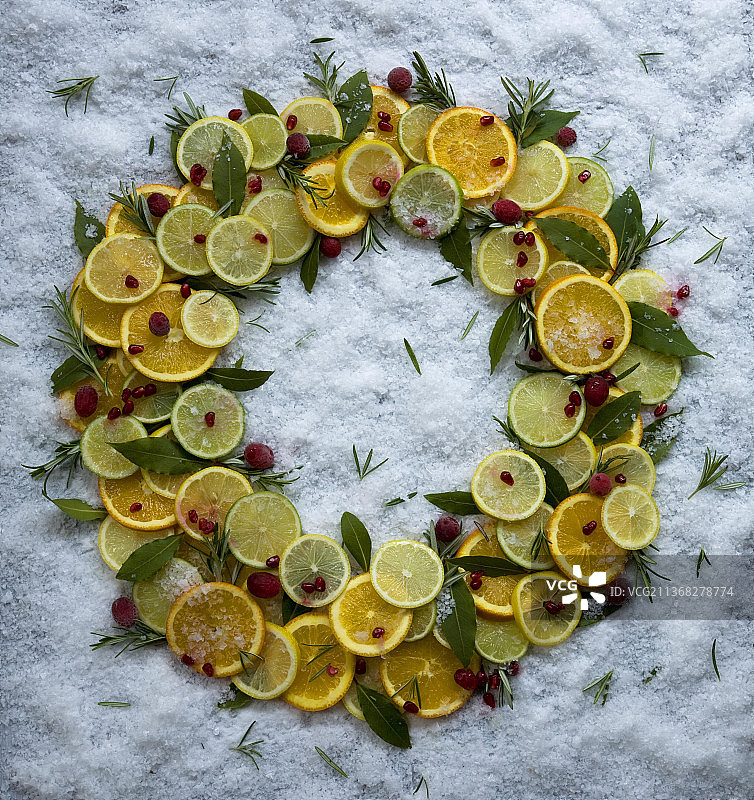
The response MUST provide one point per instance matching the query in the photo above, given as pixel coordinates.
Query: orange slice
(631, 436)
(210, 492)
(386, 101)
(123, 496)
(335, 214)
(116, 379)
(188, 193)
(118, 222)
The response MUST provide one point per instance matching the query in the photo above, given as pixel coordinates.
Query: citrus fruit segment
(123, 268)
(371, 679)
(482, 157)
(201, 142)
(502, 263)
(519, 540)
(656, 377)
(588, 187)
(434, 667)
(313, 115)
(117, 542)
(423, 621)
(165, 485)
(96, 453)
(110, 369)
(210, 493)
(261, 525)
(117, 219)
(332, 213)
(554, 272)
(268, 135)
(413, 128)
(406, 573)
(211, 624)
(583, 324)
(630, 517)
(276, 670)
(575, 460)
(176, 238)
(632, 436)
(101, 321)
(644, 286)
(172, 358)
(427, 202)
(188, 193)
(151, 408)
(385, 101)
(239, 250)
(541, 175)
(537, 602)
(508, 485)
(582, 550)
(305, 561)
(542, 412)
(155, 596)
(325, 668)
(208, 420)
(500, 640)
(364, 165)
(359, 612)
(209, 319)
(277, 211)
(133, 504)
(632, 462)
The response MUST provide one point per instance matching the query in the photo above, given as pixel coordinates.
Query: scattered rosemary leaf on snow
(364, 470)
(249, 749)
(702, 558)
(172, 80)
(712, 471)
(113, 704)
(75, 86)
(412, 356)
(602, 685)
(9, 342)
(328, 760)
(714, 659)
(643, 56)
(716, 248)
(468, 328)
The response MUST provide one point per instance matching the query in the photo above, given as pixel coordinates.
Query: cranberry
(197, 174)
(519, 237)
(535, 355)
(596, 390)
(159, 205)
(185, 291)
(600, 484)
(113, 413)
(486, 120)
(410, 708)
(258, 456)
(584, 176)
(673, 311)
(399, 79)
(85, 401)
(330, 247)
(466, 679)
(138, 392)
(618, 592)
(512, 669)
(128, 408)
(529, 239)
(552, 608)
(291, 122)
(447, 529)
(209, 419)
(262, 584)
(298, 145)
(193, 516)
(683, 292)
(494, 682)
(620, 478)
(235, 114)
(187, 660)
(131, 282)
(385, 126)
(206, 525)
(200, 238)
(661, 410)
(497, 162)
(475, 583)
(589, 528)
(565, 137)
(608, 343)
(149, 390)
(575, 398)
(518, 287)
(332, 671)
(124, 612)
(272, 561)
(255, 185)
(135, 349)
(419, 222)
(261, 238)
(208, 669)
(307, 587)
(521, 259)
(570, 410)
(378, 633)
(134, 508)
(361, 666)
(319, 584)
(102, 352)
(489, 699)
(507, 478)
(159, 324)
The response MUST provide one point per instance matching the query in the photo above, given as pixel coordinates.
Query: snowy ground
(684, 735)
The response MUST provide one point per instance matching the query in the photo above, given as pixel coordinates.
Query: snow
(684, 734)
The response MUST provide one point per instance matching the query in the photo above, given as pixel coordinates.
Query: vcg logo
(595, 579)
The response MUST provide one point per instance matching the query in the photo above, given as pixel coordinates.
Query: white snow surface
(684, 735)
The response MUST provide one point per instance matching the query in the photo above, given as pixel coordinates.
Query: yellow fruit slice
(173, 358)
(101, 320)
(209, 319)
(268, 136)
(313, 115)
(275, 673)
(116, 379)
(577, 317)
(500, 641)
(155, 596)
(314, 688)
(371, 679)
(308, 558)
(593, 193)
(239, 250)
(635, 465)
(261, 525)
(116, 542)
(122, 257)
(519, 540)
(413, 128)
(644, 286)
(117, 219)
(359, 611)
(434, 667)
(188, 193)
(165, 485)
(541, 176)
(385, 101)
(211, 624)
(363, 163)
(656, 377)
(630, 517)
(554, 272)
(591, 559)
(539, 625)
(632, 436)
(210, 492)
(97, 454)
(333, 213)
(423, 621)
(494, 493)
(499, 257)
(276, 210)
(133, 504)
(201, 141)
(406, 573)
(574, 460)
(459, 142)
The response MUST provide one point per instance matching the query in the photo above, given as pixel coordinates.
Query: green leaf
(237, 699)
(459, 627)
(356, 539)
(614, 418)
(239, 380)
(383, 717)
(548, 123)
(654, 440)
(321, 145)
(148, 559)
(557, 488)
(501, 334)
(160, 454)
(71, 371)
(257, 104)
(455, 248)
(625, 218)
(78, 509)
(659, 332)
(575, 242)
(229, 177)
(291, 609)
(174, 139)
(310, 265)
(354, 104)
(461, 503)
(9, 342)
(491, 566)
(412, 355)
(82, 225)
(585, 620)
(321, 39)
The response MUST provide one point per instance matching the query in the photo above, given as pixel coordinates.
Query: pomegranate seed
(298, 145)
(262, 584)
(383, 115)
(272, 561)
(552, 608)
(512, 668)
(488, 120)
(683, 292)
(497, 162)
(447, 529)
(494, 682)
(138, 392)
(159, 324)
(193, 516)
(361, 666)
(481, 677)
(385, 188)
(185, 291)
(535, 355)
(600, 484)
(113, 413)
(187, 660)
(477, 574)
(384, 126)
(565, 137)
(529, 239)
(290, 123)
(466, 679)
(258, 455)
(519, 237)
(377, 182)
(575, 398)
(319, 584)
(518, 287)
(590, 527)
(507, 478)
(135, 349)
(85, 401)
(255, 185)
(570, 410)
(235, 114)
(125, 395)
(307, 587)
(661, 409)
(528, 214)
(673, 311)
(378, 633)
(618, 592)
(332, 671)
(596, 390)
(131, 282)
(330, 247)
(200, 238)
(584, 176)
(134, 508)
(410, 707)
(609, 377)
(197, 174)
(489, 699)
(528, 282)
(521, 259)
(206, 525)
(124, 612)
(158, 204)
(209, 419)
(128, 408)
(399, 79)
(620, 478)
(419, 222)
(475, 583)
(609, 342)
(208, 669)
(261, 238)
(149, 390)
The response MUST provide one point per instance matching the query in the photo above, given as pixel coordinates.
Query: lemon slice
(413, 128)
(121, 258)
(635, 465)
(385, 102)
(117, 542)
(276, 210)
(133, 504)
(406, 573)
(268, 136)
(656, 377)
(333, 213)
(201, 142)
(644, 286)
(361, 165)
(175, 237)
(630, 517)
(593, 192)
(165, 485)
(239, 250)
(261, 525)
(154, 407)
(494, 493)
(155, 596)
(208, 420)
(539, 407)
(539, 625)
(500, 640)
(427, 202)
(554, 272)
(541, 176)
(575, 460)
(422, 623)
(310, 557)
(440, 636)
(517, 539)
(371, 679)
(96, 453)
(313, 115)
(209, 319)
(276, 669)
(188, 193)
(101, 320)
(501, 262)
(210, 493)
(632, 436)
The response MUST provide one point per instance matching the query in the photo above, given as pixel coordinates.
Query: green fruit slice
(413, 128)
(656, 377)
(190, 422)
(268, 135)
(500, 640)
(594, 194)
(261, 525)
(517, 539)
(276, 210)
(239, 250)
(155, 596)
(423, 621)
(427, 193)
(308, 558)
(175, 238)
(156, 407)
(536, 410)
(159, 483)
(96, 452)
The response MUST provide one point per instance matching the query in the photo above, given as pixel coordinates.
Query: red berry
(570, 410)
(609, 377)
(149, 390)
(565, 137)
(255, 185)
(494, 682)
(683, 292)
(185, 291)
(383, 115)
(258, 456)
(596, 390)
(575, 398)
(518, 287)
(673, 311)
(410, 707)
(529, 239)
(475, 583)
(272, 561)
(209, 419)
(600, 484)
(552, 608)
(197, 174)
(261, 238)
(534, 354)
(608, 343)
(385, 188)
(319, 584)
(378, 633)
(497, 162)
(512, 669)
(102, 352)
(138, 392)
(124, 612)
(385, 126)
(187, 660)
(135, 349)
(332, 671)
(131, 282)
(159, 324)
(521, 259)
(128, 408)
(376, 182)
(584, 176)
(447, 529)
(519, 237)
(361, 666)
(489, 699)
(419, 222)
(125, 395)
(528, 282)
(134, 508)
(262, 584)
(589, 528)
(507, 212)
(661, 410)
(477, 574)
(618, 592)
(307, 587)
(206, 525)
(486, 120)
(235, 114)
(200, 238)
(330, 247)
(399, 79)
(193, 516)
(291, 122)
(85, 401)
(208, 669)
(298, 145)
(113, 413)
(507, 478)
(620, 478)
(466, 679)
(159, 205)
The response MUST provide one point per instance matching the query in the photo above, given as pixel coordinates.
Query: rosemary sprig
(260, 289)
(643, 56)
(255, 322)
(75, 86)
(483, 220)
(141, 635)
(540, 541)
(702, 558)
(249, 749)
(266, 481)
(652, 145)
(432, 90)
(114, 704)
(219, 550)
(329, 761)
(527, 322)
(712, 471)
(644, 563)
(364, 470)
(413, 692)
(290, 171)
(323, 650)
(423, 782)
(249, 662)
(137, 209)
(598, 155)
(505, 690)
(9, 342)
(396, 501)
(602, 685)
(370, 237)
(714, 659)
(180, 119)
(716, 248)
(652, 675)
(468, 328)
(522, 108)
(173, 80)
(304, 338)
(320, 672)
(327, 82)
(631, 254)
(67, 454)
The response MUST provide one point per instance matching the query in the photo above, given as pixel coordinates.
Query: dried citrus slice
(482, 157)
(371, 679)
(176, 238)
(644, 286)
(422, 622)
(313, 115)
(520, 540)
(589, 187)
(543, 411)
(152, 408)
(133, 504)
(239, 250)
(656, 377)
(630, 517)
(413, 128)
(427, 203)
(502, 263)
(165, 485)
(359, 611)
(634, 464)
(97, 454)
(332, 213)
(541, 176)
(362, 165)
(545, 608)
(575, 460)
(201, 141)
(117, 219)
(268, 135)
(210, 493)
(554, 272)
(116, 377)
(188, 193)
(173, 358)
(406, 573)
(276, 670)
(308, 559)
(211, 624)
(155, 596)
(261, 525)
(276, 210)
(117, 542)
(632, 436)
(582, 550)
(101, 320)
(500, 640)
(123, 268)
(325, 668)
(583, 324)
(208, 420)
(434, 667)
(385, 101)
(508, 485)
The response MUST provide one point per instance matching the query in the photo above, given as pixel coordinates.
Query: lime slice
(644, 286)
(500, 640)
(201, 141)
(277, 211)
(175, 238)
(554, 272)
(209, 319)
(268, 135)
(440, 636)
(371, 679)
(537, 410)
(575, 460)
(423, 622)
(630, 517)
(656, 377)
(595, 194)
(508, 485)
(308, 558)
(117, 542)
(406, 573)
(165, 485)
(239, 250)
(96, 453)
(200, 434)
(275, 670)
(541, 175)
(537, 623)
(154, 407)
(635, 465)
(364, 163)
(261, 525)
(501, 262)
(518, 539)
(208, 495)
(413, 128)
(155, 596)
(430, 194)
